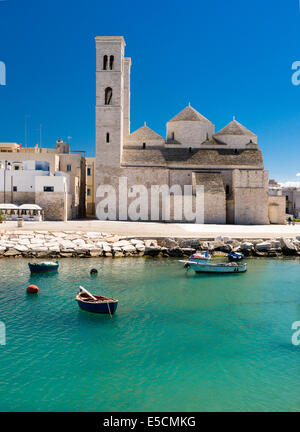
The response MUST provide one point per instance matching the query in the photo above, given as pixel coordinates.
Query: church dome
(189, 128)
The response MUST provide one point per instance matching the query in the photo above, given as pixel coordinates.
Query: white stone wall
(250, 192)
(190, 133)
(276, 210)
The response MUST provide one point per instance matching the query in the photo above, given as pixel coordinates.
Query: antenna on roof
(145, 124)
(189, 104)
(233, 117)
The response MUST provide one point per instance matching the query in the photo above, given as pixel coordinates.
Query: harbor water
(178, 341)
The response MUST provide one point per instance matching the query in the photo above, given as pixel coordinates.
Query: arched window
(111, 62)
(107, 137)
(105, 58)
(173, 136)
(108, 95)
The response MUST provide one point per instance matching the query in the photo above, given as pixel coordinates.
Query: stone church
(228, 163)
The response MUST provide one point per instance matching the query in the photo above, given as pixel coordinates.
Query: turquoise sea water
(177, 342)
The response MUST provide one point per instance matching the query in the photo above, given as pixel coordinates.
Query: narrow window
(89, 171)
(69, 168)
(144, 145)
(48, 188)
(227, 189)
(173, 136)
(108, 95)
(15, 189)
(17, 167)
(235, 151)
(111, 62)
(105, 58)
(107, 137)
(88, 192)
(190, 149)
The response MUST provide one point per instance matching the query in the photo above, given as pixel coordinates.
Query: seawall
(45, 244)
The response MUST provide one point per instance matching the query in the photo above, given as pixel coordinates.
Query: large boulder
(128, 248)
(122, 243)
(247, 246)
(263, 247)
(150, 243)
(140, 247)
(12, 253)
(152, 250)
(276, 244)
(136, 241)
(175, 252)
(287, 246)
(219, 245)
(190, 244)
(112, 239)
(169, 243)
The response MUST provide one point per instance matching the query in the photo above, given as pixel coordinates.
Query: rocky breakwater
(44, 244)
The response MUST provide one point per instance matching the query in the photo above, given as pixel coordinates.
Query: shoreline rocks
(45, 244)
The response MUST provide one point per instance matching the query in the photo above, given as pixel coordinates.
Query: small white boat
(199, 267)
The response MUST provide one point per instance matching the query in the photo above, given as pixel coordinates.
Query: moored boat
(235, 257)
(46, 266)
(197, 257)
(218, 268)
(96, 304)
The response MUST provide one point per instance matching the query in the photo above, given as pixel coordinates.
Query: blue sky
(227, 58)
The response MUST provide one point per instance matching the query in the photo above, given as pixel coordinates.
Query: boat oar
(87, 292)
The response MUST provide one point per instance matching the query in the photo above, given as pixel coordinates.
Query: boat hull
(218, 268)
(107, 306)
(38, 268)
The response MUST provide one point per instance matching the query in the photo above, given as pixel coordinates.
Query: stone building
(56, 179)
(292, 200)
(228, 164)
(90, 186)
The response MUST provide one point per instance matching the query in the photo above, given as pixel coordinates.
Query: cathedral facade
(227, 164)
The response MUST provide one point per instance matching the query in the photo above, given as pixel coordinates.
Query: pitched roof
(235, 128)
(189, 114)
(168, 157)
(144, 133)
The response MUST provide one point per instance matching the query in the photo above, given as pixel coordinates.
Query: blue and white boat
(218, 268)
(96, 304)
(197, 257)
(43, 267)
(235, 257)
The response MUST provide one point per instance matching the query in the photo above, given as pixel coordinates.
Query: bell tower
(109, 103)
